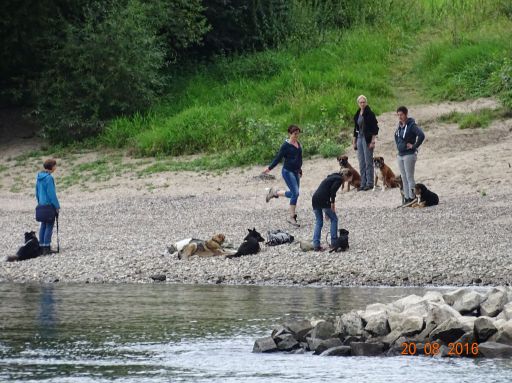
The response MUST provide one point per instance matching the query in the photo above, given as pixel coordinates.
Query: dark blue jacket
(292, 157)
(409, 134)
(45, 190)
(326, 192)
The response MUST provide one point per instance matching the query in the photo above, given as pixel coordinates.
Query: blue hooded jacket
(45, 190)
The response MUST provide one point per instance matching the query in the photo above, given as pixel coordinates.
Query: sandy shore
(120, 233)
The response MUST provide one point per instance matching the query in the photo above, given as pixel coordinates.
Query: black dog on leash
(250, 245)
(341, 243)
(29, 250)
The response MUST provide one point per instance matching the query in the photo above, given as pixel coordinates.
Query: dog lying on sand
(424, 197)
(29, 250)
(189, 247)
(250, 245)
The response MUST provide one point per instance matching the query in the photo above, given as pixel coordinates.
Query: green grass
(242, 106)
(479, 119)
(235, 111)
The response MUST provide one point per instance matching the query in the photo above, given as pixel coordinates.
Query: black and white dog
(29, 250)
(250, 245)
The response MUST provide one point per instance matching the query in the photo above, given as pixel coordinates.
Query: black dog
(425, 197)
(341, 243)
(250, 245)
(29, 250)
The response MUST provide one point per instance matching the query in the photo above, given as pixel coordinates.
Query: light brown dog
(355, 179)
(386, 174)
(209, 248)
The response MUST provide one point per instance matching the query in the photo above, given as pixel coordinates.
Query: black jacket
(371, 127)
(326, 192)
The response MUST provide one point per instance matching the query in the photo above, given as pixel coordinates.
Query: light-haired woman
(291, 151)
(366, 129)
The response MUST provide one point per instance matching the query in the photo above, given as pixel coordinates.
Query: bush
(106, 67)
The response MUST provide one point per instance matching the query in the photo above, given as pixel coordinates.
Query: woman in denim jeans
(46, 195)
(291, 151)
(324, 200)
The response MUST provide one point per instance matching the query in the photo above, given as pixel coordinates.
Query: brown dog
(200, 248)
(355, 179)
(386, 174)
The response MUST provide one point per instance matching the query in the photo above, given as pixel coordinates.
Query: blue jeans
(45, 233)
(365, 157)
(292, 180)
(319, 215)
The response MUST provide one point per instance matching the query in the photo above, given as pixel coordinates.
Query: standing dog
(355, 179)
(424, 197)
(387, 175)
(29, 250)
(250, 245)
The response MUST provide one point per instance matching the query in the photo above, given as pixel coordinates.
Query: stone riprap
(437, 324)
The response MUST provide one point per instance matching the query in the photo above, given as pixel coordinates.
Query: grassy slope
(235, 111)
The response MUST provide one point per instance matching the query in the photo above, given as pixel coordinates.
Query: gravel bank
(462, 241)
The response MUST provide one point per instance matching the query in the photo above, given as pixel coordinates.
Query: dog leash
(57, 222)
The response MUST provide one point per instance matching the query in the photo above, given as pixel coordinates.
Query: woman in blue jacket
(46, 195)
(291, 151)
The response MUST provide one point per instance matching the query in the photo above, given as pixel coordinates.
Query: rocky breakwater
(461, 323)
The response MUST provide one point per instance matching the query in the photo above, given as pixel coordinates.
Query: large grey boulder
(484, 328)
(410, 321)
(375, 309)
(408, 301)
(468, 302)
(366, 349)
(299, 328)
(323, 330)
(337, 351)
(349, 324)
(494, 350)
(378, 325)
(452, 296)
(286, 342)
(439, 313)
(449, 331)
(391, 338)
(506, 313)
(434, 296)
(494, 303)
(504, 334)
(264, 345)
(327, 344)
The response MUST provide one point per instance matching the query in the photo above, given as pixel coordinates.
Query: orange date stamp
(434, 348)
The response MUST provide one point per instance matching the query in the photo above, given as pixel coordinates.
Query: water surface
(186, 333)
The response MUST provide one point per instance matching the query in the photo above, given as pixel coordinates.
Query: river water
(189, 333)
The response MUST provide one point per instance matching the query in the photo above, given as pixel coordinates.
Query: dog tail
(236, 255)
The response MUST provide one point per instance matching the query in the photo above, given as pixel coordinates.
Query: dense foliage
(165, 76)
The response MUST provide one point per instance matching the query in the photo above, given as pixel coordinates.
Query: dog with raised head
(208, 248)
(29, 250)
(250, 245)
(341, 243)
(386, 174)
(424, 197)
(354, 179)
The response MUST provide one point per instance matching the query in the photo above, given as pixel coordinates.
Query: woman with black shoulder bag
(48, 205)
